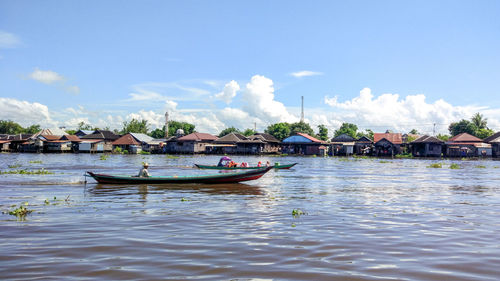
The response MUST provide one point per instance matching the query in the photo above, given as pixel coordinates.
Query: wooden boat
(213, 167)
(211, 179)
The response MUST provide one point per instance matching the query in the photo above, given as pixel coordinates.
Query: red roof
(127, 139)
(198, 137)
(395, 138)
(71, 138)
(309, 137)
(51, 137)
(464, 137)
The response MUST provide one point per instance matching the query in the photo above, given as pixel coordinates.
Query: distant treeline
(476, 126)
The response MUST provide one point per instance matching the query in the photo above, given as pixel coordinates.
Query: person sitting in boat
(259, 164)
(268, 164)
(143, 173)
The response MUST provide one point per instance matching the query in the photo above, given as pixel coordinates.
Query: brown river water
(355, 219)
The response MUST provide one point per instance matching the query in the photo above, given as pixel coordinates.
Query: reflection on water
(363, 219)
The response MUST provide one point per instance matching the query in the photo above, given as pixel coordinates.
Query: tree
(479, 121)
(301, 127)
(463, 126)
(484, 133)
(229, 130)
(173, 126)
(83, 126)
(443, 137)
(279, 130)
(158, 133)
(33, 129)
(10, 127)
(414, 132)
(135, 126)
(347, 128)
(368, 133)
(249, 132)
(323, 132)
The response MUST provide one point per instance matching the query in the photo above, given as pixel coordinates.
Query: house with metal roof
(494, 141)
(363, 146)
(127, 143)
(227, 144)
(466, 145)
(192, 143)
(387, 144)
(107, 138)
(4, 145)
(342, 145)
(305, 144)
(427, 146)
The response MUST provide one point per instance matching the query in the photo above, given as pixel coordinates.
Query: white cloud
(25, 113)
(45, 76)
(229, 92)
(305, 73)
(8, 40)
(390, 111)
(259, 102)
(73, 89)
(154, 119)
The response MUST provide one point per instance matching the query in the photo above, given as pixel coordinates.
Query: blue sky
(379, 64)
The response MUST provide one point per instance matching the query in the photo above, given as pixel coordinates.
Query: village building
(21, 143)
(342, 145)
(4, 145)
(305, 144)
(494, 141)
(98, 141)
(387, 144)
(466, 145)
(192, 143)
(81, 133)
(270, 144)
(127, 144)
(427, 146)
(227, 144)
(363, 146)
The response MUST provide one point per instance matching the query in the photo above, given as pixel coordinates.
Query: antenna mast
(166, 124)
(302, 113)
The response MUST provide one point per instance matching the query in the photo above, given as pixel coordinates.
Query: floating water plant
(145, 152)
(21, 211)
(481, 167)
(103, 157)
(184, 199)
(297, 213)
(384, 161)
(435, 165)
(36, 162)
(172, 156)
(14, 166)
(455, 166)
(27, 172)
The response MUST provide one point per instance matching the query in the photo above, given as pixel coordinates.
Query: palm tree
(479, 121)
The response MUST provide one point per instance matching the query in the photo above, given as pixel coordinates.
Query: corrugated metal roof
(493, 137)
(198, 137)
(127, 139)
(142, 137)
(395, 138)
(427, 139)
(71, 138)
(102, 134)
(343, 138)
(231, 138)
(464, 137)
(297, 139)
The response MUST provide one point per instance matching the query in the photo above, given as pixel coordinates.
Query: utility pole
(166, 124)
(255, 126)
(302, 113)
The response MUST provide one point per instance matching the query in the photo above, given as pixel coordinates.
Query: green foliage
(279, 130)
(481, 167)
(10, 127)
(484, 133)
(135, 126)
(33, 129)
(21, 211)
(173, 126)
(158, 133)
(26, 172)
(455, 166)
(414, 132)
(301, 127)
(229, 130)
(443, 137)
(117, 150)
(144, 152)
(297, 213)
(323, 132)
(103, 157)
(368, 133)
(476, 127)
(83, 126)
(435, 165)
(249, 132)
(347, 128)
(125, 151)
(35, 162)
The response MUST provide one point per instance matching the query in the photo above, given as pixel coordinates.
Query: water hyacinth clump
(21, 211)
(27, 172)
(435, 165)
(455, 166)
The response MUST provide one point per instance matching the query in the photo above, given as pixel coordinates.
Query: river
(325, 219)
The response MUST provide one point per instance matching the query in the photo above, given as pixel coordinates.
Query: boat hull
(212, 167)
(208, 179)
